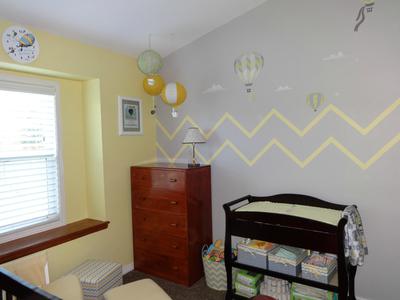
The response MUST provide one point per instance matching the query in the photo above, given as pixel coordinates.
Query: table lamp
(193, 136)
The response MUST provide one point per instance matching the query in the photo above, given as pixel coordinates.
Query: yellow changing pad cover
(324, 215)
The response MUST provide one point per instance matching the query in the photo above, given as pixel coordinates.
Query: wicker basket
(215, 273)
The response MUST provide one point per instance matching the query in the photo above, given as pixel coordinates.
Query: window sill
(40, 241)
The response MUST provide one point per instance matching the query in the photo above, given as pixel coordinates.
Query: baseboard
(129, 267)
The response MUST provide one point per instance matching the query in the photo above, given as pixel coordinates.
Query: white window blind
(29, 160)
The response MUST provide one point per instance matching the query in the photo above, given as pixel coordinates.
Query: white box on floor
(97, 277)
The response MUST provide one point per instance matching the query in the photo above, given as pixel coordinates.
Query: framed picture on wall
(130, 116)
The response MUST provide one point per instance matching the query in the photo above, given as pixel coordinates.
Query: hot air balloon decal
(173, 94)
(248, 66)
(27, 40)
(368, 6)
(315, 100)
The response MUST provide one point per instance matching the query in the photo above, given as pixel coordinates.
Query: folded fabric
(291, 253)
(319, 264)
(355, 243)
(262, 245)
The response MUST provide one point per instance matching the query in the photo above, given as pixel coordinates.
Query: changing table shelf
(332, 286)
(291, 230)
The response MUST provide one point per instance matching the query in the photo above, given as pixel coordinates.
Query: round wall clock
(20, 44)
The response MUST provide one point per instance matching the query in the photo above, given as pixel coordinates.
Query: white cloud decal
(283, 88)
(214, 88)
(334, 56)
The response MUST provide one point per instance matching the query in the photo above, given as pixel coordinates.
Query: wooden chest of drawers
(171, 216)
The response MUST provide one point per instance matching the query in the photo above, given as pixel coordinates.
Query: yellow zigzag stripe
(274, 113)
(290, 154)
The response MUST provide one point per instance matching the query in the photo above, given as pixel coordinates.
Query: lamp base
(191, 165)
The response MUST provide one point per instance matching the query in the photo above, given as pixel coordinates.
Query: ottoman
(145, 289)
(97, 277)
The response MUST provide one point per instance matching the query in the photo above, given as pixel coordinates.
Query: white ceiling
(124, 25)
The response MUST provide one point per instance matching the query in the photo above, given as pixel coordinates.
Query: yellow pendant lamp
(153, 85)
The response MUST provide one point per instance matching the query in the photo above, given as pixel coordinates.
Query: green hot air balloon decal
(368, 6)
(247, 67)
(315, 100)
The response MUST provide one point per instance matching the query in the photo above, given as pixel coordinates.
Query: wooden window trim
(40, 241)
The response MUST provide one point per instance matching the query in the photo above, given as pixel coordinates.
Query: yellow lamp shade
(173, 94)
(153, 84)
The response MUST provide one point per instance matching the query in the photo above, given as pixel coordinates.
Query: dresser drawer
(159, 200)
(172, 224)
(164, 266)
(155, 178)
(161, 243)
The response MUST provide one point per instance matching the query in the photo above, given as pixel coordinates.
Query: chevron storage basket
(215, 273)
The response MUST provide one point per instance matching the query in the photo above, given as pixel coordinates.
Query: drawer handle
(173, 203)
(144, 198)
(175, 268)
(173, 180)
(175, 246)
(173, 224)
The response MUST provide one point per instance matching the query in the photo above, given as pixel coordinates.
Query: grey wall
(294, 37)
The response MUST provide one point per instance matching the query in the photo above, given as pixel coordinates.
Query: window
(30, 161)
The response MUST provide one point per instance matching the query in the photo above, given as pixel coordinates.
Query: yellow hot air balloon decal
(247, 67)
(315, 100)
(173, 94)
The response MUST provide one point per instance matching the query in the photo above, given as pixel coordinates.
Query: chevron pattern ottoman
(97, 277)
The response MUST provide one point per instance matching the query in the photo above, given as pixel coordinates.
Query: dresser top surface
(162, 165)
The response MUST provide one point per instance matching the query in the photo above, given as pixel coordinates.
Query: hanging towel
(355, 243)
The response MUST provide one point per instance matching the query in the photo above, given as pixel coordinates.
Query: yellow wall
(97, 172)
(94, 151)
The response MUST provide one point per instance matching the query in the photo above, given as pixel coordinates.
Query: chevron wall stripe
(275, 113)
(301, 163)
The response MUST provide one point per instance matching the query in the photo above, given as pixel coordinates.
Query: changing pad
(324, 215)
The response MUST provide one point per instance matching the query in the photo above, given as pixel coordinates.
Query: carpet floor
(198, 291)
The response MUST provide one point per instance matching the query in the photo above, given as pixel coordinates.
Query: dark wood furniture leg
(228, 259)
(343, 278)
(352, 274)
